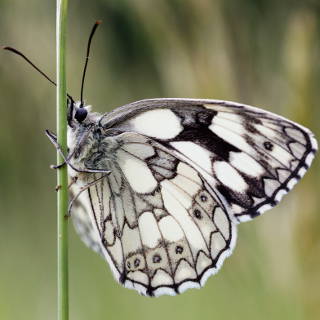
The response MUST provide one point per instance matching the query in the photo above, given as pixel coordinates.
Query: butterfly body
(166, 181)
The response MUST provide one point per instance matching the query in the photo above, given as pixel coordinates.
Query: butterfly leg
(83, 188)
(73, 181)
(52, 137)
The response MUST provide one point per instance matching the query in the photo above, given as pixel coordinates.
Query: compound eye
(81, 114)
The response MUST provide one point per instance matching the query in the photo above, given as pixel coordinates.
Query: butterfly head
(77, 113)
(83, 125)
(81, 114)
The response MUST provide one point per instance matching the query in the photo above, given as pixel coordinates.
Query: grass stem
(62, 178)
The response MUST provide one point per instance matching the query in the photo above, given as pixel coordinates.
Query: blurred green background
(259, 52)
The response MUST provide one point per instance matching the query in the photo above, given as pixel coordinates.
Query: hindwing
(160, 224)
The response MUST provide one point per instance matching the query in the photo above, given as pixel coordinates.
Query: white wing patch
(195, 153)
(245, 164)
(149, 230)
(134, 169)
(229, 176)
(147, 123)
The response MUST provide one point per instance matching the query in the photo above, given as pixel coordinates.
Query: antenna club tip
(98, 21)
(9, 49)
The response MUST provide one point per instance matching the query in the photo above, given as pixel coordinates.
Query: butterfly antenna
(17, 52)
(95, 26)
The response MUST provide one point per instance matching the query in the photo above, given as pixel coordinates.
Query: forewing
(249, 156)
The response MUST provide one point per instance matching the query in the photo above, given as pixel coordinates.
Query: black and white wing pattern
(162, 227)
(183, 174)
(250, 156)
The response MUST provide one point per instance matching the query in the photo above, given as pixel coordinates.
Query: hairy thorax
(93, 149)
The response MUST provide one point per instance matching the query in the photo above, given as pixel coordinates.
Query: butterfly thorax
(91, 146)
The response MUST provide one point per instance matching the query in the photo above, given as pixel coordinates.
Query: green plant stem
(62, 198)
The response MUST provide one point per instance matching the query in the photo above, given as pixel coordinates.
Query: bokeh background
(259, 52)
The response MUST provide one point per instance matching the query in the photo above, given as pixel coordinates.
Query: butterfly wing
(186, 172)
(250, 156)
(82, 221)
(161, 226)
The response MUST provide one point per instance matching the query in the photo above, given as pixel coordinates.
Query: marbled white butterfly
(177, 176)
(160, 185)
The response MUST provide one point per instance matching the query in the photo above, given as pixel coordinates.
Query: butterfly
(161, 184)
